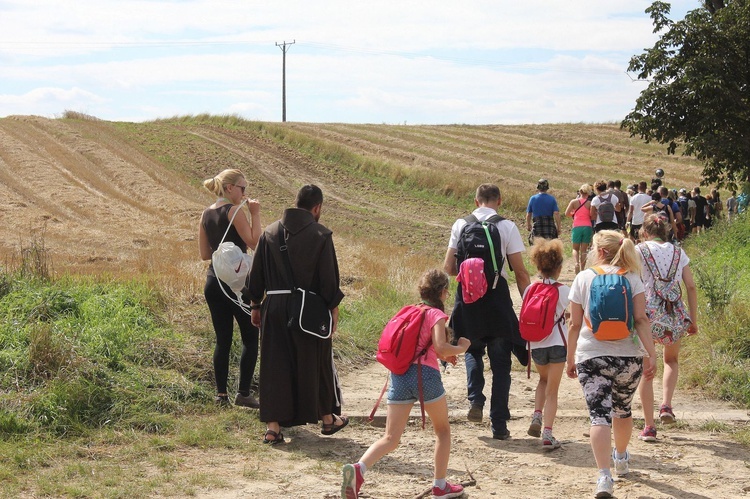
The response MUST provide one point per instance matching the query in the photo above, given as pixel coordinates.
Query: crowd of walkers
(629, 238)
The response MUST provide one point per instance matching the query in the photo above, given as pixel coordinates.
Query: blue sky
(413, 62)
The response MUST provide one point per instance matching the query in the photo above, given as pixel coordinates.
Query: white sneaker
(605, 486)
(535, 428)
(621, 465)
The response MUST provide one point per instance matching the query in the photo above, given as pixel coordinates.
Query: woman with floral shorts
(609, 370)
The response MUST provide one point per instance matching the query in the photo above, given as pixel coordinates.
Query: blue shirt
(672, 204)
(542, 205)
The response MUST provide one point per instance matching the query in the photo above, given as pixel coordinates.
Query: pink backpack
(397, 348)
(472, 279)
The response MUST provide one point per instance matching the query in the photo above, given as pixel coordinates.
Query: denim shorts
(404, 389)
(549, 355)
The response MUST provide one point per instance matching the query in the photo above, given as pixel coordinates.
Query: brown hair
(546, 255)
(431, 286)
(655, 225)
(487, 192)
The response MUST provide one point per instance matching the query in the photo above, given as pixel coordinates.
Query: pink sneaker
(648, 434)
(448, 491)
(352, 482)
(666, 414)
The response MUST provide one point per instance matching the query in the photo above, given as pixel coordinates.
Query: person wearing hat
(544, 213)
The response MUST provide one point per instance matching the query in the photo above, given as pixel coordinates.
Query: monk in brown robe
(298, 380)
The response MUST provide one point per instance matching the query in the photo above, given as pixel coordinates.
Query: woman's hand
(649, 368)
(463, 343)
(570, 369)
(253, 205)
(692, 329)
(451, 359)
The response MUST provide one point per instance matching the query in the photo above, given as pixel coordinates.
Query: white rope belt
(279, 292)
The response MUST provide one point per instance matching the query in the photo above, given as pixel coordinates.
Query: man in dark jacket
(298, 381)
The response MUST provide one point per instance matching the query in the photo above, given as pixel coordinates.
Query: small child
(403, 393)
(550, 353)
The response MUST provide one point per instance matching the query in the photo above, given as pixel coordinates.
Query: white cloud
(41, 100)
(393, 61)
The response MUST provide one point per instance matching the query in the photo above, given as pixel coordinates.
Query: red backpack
(537, 318)
(397, 347)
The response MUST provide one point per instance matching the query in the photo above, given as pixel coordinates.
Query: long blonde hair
(227, 177)
(612, 248)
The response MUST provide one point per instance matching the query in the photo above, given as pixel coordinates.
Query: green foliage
(717, 360)
(363, 320)
(717, 283)
(11, 424)
(83, 355)
(697, 94)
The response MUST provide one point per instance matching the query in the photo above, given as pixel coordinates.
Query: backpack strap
(231, 221)
(675, 262)
(650, 262)
(580, 205)
(485, 225)
(599, 270)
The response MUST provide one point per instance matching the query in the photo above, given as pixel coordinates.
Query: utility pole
(283, 47)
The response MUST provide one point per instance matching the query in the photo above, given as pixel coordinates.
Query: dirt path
(687, 461)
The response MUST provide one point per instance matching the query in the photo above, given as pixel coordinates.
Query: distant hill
(126, 197)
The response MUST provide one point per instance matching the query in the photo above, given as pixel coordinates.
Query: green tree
(699, 88)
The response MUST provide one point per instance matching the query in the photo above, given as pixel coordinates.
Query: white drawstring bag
(232, 265)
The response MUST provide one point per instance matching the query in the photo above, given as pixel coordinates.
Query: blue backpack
(610, 305)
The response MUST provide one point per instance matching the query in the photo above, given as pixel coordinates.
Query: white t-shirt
(663, 253)
(588, 346)
(510, 237)
(637, 202)
(554, 339)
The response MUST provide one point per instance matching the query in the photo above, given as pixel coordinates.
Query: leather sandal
(332, 427)
(278, 437)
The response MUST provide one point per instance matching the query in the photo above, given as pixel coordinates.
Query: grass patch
(717, 360)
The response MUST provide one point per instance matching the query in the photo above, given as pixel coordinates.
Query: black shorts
(634, 230)
(606, 226)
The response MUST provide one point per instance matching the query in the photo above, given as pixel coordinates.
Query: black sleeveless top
(215, 222)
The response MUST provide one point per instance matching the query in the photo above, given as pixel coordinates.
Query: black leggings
(223, 313)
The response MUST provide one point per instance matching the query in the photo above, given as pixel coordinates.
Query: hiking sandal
(332, 427)
(278, 437)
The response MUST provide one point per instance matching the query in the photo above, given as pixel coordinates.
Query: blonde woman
(580, 209)
(609, 371)
(229, 187)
